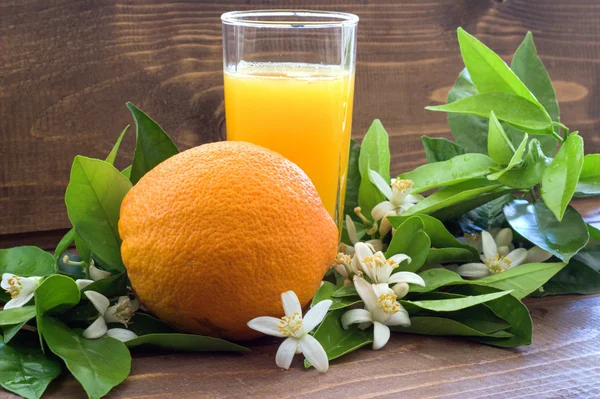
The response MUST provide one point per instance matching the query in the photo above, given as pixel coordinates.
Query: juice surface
(303, 112)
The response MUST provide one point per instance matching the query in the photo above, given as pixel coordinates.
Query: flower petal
(473, 270)
(504, 237)
(401, 289)
(121, 334)
(314, 353)
(503, 250)
(266, 325)
(18, 301)
(100, 302)
(5, 277)
(382, 289)
(381, 184)
(381, 210)
(407, 277)
(381, 335)
(110, 315)
(315, 315)
(351, 228)
(399, 318)
(413, 198)
(377, 245)
(286, 353)
(96, 330)
(537, 254)
(490, 249)
(291, 304)
(517, 257)
(82, 283)
(97, 274)
(399, 258)
(356, 316)
(365, 291)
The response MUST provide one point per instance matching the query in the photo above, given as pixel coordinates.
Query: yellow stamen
(473, 237)
(290, 325)
(497, 264)
(403, 185)
(15, 287)
(388, 303)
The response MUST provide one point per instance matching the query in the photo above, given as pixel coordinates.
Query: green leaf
(185, 342)
(575, 278)
(507, 107)
(537, 224)
(441, 149)
(113, 153)
(327, 290)
(531, 172)
(63, 245)
(368, 196)
(507, 307)
(523, 279)
(112, 286)
(152, 146)
(450, 255)
(410, 239)
(336, 340)
(459, 198)
(488, 71)
(589, 179)
(26, 371)
(98, 364)
(514, 161)
(84, 251)
(594, 232)
(436, 278)
(451, 305)
(444, 173)
(531, 71)
(345, 291)
(55, 295)
(16, 315)
(26, 261)
(353, 180)
(11, 330)
(93, 200)
(560, 178)
(127, 172)
(486, 216)
(431, 325)
(375, 152)
(144, 324)
(438, 233)
(500, 147)
(469, 131)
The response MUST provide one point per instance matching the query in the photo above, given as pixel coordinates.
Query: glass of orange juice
(289, 86)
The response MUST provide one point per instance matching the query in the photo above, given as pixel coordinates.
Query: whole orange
(214, 235)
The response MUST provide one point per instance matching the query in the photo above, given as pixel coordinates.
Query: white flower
(121, 312)
(496, 258)
(347, 267)
(94, 273)
(20, 289)
(296, 329)
(502, 237)
(353, 236)
(379, 269)
(82, 283)
(381, 309)
(536, 254)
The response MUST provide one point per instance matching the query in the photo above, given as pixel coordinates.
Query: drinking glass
(289, 86)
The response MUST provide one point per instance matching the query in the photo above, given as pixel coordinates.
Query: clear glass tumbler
(289, 86)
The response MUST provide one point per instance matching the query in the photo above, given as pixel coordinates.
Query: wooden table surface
(562, 362)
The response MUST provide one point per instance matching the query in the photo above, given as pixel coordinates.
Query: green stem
(565, 131)
(532, 194)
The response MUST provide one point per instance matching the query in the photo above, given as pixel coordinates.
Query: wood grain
(562, 362)
(67, 68)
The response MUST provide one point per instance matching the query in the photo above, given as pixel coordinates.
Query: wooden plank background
(68, 67)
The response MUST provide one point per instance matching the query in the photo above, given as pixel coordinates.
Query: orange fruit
(214, 235)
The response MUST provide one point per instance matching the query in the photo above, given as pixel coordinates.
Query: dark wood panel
(67, 68)
(562, 362)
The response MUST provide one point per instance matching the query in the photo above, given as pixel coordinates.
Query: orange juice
(301, 111)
